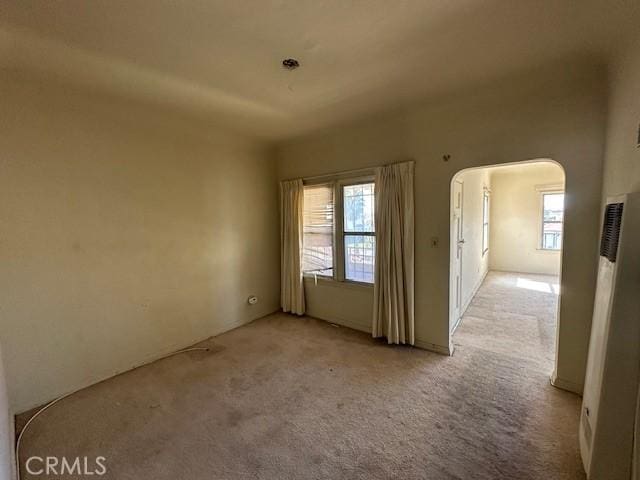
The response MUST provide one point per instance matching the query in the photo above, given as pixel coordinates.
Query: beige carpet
(296, 398)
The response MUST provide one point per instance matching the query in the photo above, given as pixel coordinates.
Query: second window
(359, 232)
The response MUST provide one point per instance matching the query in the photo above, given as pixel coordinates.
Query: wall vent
(611, 231)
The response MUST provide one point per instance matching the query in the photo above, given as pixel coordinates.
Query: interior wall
(127, 234)
(622, 175)
(516, 217)
(555, 112)
(6, 428)
(622, 155)
(475, 263)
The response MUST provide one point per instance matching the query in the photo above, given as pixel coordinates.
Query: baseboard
(344, 323)
(352, 325)
(219, 330)
(432, 347)
(567, 385)
(551, 274)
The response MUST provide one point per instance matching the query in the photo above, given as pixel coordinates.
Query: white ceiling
(221, 59)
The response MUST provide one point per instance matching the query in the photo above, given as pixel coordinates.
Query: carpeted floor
(297, 398)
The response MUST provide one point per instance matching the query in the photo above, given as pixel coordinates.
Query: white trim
(432, 347)
(332, 282)
(486, 193)
(453, 245)
(567, 385)
(343, 322)
(550, 187)
(542, 191)
(339, 224)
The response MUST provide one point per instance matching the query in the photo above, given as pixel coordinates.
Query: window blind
(318, 216)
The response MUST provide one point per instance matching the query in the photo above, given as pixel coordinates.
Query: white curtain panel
(393, 297)
(291, 210)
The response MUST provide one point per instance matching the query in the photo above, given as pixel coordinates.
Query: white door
(457, 244)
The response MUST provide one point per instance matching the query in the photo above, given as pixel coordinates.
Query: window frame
(338, 182)
(486, 219)
(340, 185)
(550, 190)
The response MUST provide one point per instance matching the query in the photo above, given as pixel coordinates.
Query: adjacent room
(506, 249)
(347, 240)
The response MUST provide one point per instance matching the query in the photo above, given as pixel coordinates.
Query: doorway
(505, 256)
(457, 244)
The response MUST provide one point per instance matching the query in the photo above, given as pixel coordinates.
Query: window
(343, 210)
(552, 218)
(359, 232)
(485, 222)
(318, 218)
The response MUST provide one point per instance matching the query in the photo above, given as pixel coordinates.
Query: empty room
(282, 239)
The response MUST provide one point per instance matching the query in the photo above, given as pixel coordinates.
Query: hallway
(513, 314)
(508, 332)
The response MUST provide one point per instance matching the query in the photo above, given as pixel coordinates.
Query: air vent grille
(611, 231)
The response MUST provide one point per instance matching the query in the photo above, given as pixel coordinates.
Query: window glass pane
(552, 235)
(553, 207)
(317, 243)
(359, 257)
(359, 208)
(552, 217)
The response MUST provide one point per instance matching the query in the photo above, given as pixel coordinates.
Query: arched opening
(506, 242)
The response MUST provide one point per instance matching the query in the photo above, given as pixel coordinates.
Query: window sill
(337, 283)
(549, 250)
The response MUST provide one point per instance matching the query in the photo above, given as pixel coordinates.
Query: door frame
(555, 381)
(456, 246)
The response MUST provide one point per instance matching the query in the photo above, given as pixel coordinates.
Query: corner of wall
(567, 385)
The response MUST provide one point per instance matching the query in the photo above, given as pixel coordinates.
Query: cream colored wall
(621, 175)
(126, 234)
(550, 113)
(350, 305)
(516, 219)
(475, 263)
(622, 156)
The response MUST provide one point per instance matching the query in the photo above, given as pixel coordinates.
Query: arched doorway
(505, 259)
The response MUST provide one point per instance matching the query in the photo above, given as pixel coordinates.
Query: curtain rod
(345, 172)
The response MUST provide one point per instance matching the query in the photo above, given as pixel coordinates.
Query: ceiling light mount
(290, 63)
